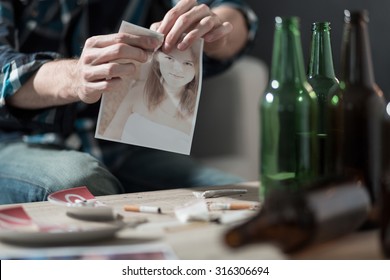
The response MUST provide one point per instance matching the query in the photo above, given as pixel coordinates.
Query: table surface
(195, 240)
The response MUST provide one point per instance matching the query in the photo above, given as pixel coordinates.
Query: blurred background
(310, 11)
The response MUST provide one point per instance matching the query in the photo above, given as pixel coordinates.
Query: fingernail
(132, 68)
(152, 42)
(144, 56)
(209, 38)
(167, 47)
(182, 46)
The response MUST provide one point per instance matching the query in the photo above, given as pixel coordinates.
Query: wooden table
(197, 240)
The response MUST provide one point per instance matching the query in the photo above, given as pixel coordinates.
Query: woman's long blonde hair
(154, 92)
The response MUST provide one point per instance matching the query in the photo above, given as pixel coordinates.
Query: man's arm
(51, 85)
(235, 41)
(224, 28)
(65, 81)
(97, 70)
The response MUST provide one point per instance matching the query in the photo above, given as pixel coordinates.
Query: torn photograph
(158, 109)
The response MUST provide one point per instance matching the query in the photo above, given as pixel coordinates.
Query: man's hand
(108, 62)
(106, 65)
(199, 21)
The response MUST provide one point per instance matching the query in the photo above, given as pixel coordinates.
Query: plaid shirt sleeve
(16, 69)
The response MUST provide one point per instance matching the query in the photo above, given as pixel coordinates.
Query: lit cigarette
(142, 209)
(233, 206)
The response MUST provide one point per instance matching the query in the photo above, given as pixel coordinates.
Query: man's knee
(76, 169)
(55, 171)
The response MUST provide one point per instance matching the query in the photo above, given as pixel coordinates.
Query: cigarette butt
(142, 209)
(233, 206)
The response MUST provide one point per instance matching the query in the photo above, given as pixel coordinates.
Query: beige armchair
(227, 128)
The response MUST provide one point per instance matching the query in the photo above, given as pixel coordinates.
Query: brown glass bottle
(295, 219)
(385, 185)
(355, 109)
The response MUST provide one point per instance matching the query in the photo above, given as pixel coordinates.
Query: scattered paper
(16, 218)
(196, 210)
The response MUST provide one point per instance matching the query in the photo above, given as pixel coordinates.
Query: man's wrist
(68, 87)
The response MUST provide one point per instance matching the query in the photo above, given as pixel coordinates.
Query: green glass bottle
(356, 107)
(288, 115)
(321, 76)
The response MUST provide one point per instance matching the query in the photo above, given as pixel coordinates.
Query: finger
(202, 30)
(108, 71)
(100, 86)
(102, 41)
(173, 14)
(118, 52)
(92, 91)
(208, 26)
(218, 32)
(155, 26)
(199, 16)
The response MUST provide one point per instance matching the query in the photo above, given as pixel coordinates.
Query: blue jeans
(30, 173)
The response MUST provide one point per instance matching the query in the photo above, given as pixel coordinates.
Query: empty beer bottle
(356, 108)
(321, 76)
(385, 185)
(295, 219)
(288, 115)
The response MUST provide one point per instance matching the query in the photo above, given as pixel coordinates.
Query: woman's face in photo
(177, 68)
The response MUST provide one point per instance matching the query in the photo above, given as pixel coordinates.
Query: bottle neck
(284, 220)
(356, 57)
(287, 58)
(266, 227)
(321, 59)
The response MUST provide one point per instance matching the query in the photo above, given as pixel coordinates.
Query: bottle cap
(358, 15)
(279, 21)
(325, 25)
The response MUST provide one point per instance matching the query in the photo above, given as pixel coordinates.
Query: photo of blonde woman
(159, 110)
